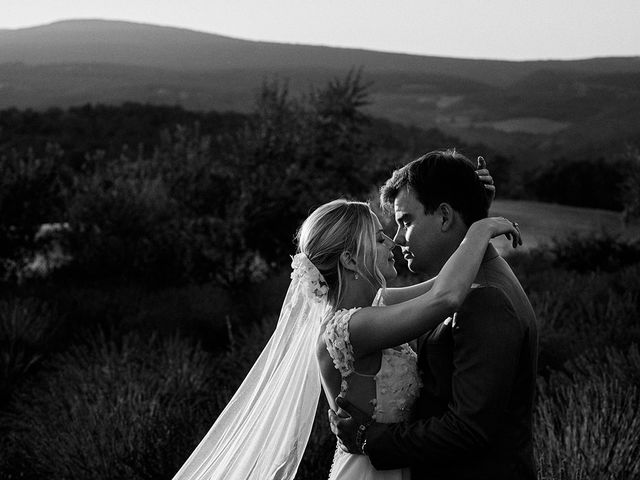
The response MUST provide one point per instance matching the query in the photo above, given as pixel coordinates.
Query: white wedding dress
(263, 431)
(397, 386)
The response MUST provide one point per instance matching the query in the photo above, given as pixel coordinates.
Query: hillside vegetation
(144, 252)
(534, 111)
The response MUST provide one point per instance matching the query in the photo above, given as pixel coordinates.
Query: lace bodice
(397, 382)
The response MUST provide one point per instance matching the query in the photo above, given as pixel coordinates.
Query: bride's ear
(348, 261)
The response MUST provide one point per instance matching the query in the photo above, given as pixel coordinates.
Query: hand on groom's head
(485, 177)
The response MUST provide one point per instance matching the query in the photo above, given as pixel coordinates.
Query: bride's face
(384, 253)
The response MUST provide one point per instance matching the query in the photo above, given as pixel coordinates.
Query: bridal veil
(263, 431)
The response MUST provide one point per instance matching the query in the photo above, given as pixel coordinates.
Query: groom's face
(419, 234)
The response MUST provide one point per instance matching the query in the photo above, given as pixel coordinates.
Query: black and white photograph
(305, 240)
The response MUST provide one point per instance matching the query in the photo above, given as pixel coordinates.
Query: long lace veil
(263, 431)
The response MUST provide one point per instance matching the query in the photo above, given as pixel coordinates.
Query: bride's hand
(497, 226)
(485, 177)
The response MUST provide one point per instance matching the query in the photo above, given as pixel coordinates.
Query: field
(541, 223)
(115, 364)
(110, 368)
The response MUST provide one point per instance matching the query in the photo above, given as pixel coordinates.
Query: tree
(295, 154)
(631, 188)
(221, 205)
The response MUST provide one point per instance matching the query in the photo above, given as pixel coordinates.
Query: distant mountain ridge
(126, 43)
(530, 109)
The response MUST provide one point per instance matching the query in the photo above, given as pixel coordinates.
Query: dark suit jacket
(475, 411)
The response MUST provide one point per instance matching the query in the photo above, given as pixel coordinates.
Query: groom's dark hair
(441, 176)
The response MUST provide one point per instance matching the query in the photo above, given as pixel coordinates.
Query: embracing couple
(431, 381)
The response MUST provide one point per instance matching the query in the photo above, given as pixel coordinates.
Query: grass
(136, 406)
(133, 402)
(133, 408)
(126, 408)
(533, 125)
(587, 424)
(541, 223)
(28, 327)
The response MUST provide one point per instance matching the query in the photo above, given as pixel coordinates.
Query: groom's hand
(345, 423)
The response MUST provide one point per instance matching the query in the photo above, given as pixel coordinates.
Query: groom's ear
(447, 216)
(348, 262)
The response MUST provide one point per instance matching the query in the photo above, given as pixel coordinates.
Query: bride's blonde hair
(336, 227)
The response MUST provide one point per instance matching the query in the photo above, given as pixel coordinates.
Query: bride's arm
(374, 328)
(402, 294)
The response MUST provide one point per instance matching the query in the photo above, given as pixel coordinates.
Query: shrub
(27, 328)
(33, 191)
(577, 313)
(587, 423)
(111, 409)
(134, 408)
(600, 252)
(125, 224)
(631, 187)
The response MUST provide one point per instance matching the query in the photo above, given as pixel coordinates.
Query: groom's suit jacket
(475, 410)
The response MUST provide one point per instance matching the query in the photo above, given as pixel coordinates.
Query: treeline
(592, 183)
(171, 196)
(167, 196)
(134, 130)
(83, 130)
(194, 208)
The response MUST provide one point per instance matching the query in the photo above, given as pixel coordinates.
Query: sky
(496, 29)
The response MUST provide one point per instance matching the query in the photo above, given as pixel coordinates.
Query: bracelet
(361, 440)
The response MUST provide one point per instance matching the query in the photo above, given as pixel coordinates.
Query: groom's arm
(487, 342)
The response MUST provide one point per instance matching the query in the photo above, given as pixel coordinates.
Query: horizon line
(342, 47)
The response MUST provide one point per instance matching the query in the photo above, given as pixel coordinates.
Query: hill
(125, 43)
(531, 110)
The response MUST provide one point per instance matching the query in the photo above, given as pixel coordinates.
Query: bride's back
(360, 385)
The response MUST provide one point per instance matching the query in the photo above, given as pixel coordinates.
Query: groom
(474, 415)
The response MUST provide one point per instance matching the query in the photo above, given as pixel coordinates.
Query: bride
(333, 335)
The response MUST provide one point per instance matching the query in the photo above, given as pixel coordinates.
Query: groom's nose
(399, 239)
